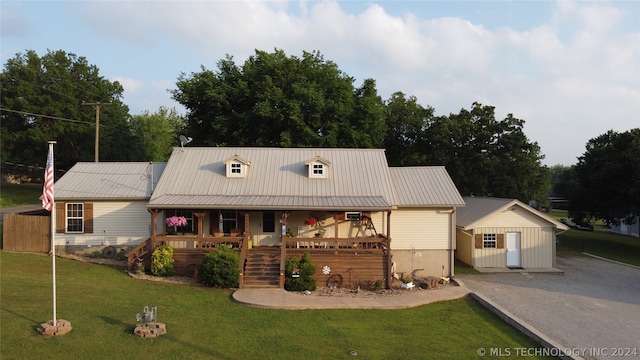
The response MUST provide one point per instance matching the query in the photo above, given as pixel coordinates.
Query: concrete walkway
(281, 299)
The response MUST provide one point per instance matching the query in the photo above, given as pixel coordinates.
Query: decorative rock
(150, 330)
(48, 329)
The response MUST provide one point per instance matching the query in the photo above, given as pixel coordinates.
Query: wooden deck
(353, 261)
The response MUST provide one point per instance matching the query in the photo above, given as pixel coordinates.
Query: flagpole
(53, 238)
(52, 327)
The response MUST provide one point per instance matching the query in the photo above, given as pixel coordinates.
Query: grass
(19, 194)
(101, 303)
(600, 242)
(464, 269)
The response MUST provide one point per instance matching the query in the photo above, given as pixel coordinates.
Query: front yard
(101, 303)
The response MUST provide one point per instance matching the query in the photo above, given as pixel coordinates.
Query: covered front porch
(351, 246)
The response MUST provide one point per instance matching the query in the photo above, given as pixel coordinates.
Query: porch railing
(337, 246)
(187, 243)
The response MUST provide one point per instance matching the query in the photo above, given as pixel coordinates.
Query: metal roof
(424, 186)
(108, 180)
(480, 207)
(195, 177)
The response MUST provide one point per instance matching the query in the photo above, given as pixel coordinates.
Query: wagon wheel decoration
(109, 252)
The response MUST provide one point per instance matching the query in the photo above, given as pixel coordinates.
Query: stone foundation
(150, 330)
(48, 329)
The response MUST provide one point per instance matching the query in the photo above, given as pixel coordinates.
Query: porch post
(200, 216)
(154, 216)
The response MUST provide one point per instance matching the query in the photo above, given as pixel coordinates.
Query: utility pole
(96, 105)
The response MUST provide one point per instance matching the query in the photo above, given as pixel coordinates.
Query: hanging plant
(176, 221)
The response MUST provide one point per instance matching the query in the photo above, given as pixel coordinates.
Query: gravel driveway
(595, 305)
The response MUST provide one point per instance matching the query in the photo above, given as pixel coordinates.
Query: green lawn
(600, 242)
(101, 303)
(19, 194)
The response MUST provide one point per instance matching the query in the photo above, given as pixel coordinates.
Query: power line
(45, 116)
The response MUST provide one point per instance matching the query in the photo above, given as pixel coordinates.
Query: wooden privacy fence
(26, 233)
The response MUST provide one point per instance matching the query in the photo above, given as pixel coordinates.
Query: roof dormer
(318, 167)
(237, 166)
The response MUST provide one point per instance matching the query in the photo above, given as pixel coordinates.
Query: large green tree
(487, 157)
(406, 121)
(42, 100)
(156, 134)
(282, 101)
(609, 177)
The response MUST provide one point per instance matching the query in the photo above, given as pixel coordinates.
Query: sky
(569, 69)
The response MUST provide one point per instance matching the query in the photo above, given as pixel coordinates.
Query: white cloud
(129, 85)
(570, 77)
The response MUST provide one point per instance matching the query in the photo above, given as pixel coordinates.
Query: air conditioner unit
(353, 215)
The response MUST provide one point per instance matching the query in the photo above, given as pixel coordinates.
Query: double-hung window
(489, 241)
(188, 215)
(229, 220)
(75, 217)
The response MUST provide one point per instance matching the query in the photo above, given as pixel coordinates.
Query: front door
(513, 250)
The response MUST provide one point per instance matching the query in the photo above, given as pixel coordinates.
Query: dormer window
(237, 166)
(318, 168)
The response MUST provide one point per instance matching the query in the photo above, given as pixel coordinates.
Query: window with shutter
(489, 241)
(74, 218)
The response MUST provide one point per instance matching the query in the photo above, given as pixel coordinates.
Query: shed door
(513, 250)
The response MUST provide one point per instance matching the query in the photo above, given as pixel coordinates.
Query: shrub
(305, 268)
(377, 285)
(162, 261)
(220, 268)
(120, 255)
(96, 255)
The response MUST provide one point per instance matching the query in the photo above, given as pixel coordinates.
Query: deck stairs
(262, 267)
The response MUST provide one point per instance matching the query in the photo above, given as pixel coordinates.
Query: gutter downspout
(453, 244)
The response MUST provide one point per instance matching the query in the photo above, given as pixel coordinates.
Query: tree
(156, 134)
(275, 100)
(42, 100)
(609, 177)
(486, 157)
(406, 124)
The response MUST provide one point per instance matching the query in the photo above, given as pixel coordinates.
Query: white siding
(114, 223)
(515, 217)
(421, 228)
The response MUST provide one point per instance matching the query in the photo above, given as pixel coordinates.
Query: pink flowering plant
(176, 221)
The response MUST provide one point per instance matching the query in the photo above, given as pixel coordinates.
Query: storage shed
(505, 233)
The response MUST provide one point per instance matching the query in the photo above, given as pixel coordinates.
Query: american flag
(47, 189)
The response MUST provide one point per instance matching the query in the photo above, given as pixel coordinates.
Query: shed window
(489, 241)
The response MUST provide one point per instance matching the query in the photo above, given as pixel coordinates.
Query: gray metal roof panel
(269, 202)
(424, 186)
(199, 174)
(479, 207)
(108, 180)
